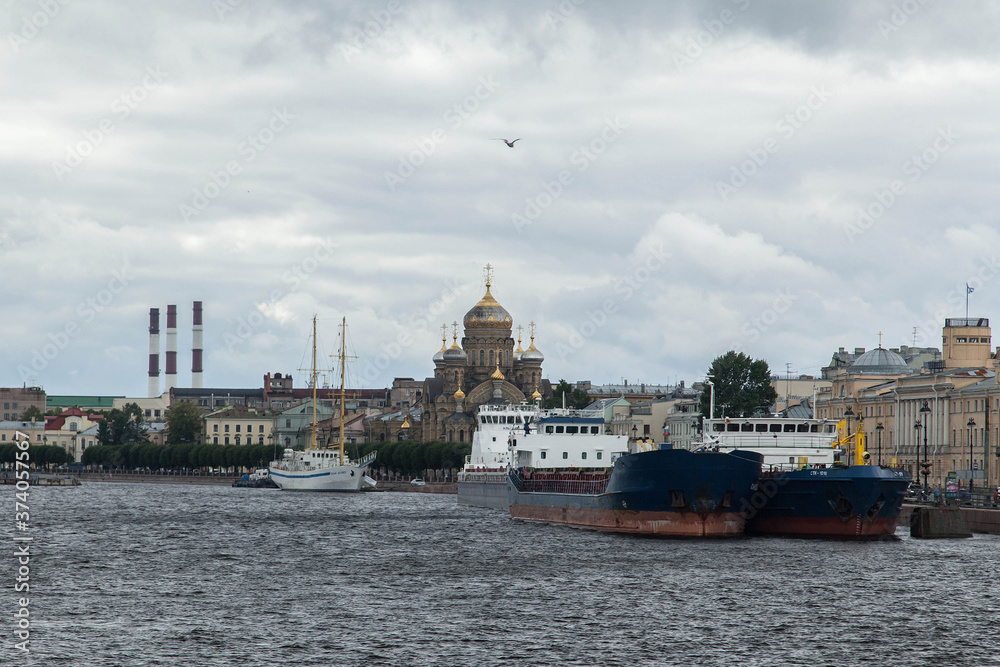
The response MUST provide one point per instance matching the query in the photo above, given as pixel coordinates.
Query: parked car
(416, 481)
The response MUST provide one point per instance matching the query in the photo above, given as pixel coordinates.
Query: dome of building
(488, 313)
(455, 353)
(439, 355)
(497, 375)
(533, 353)
(459, 393)
(880, 361)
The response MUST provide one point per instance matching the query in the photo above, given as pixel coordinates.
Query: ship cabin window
(559, 429)
(595, 430)
(565, 455)
(789, 428)
(775, 428)
(802, 428)
(718, 427)
(573, 429)
(548, 429)
(791, 459)
(813, 428)
(599, 456)
(583, 455)
(746, 428)
(543, 453)
(732, 427)
(760, 428)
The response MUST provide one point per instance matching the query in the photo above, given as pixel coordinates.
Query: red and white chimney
(171, 374)
(154, 352)
(196, 347)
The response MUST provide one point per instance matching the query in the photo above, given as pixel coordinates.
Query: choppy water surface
(137, 574)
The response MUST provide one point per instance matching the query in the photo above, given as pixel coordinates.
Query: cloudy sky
(783, 178)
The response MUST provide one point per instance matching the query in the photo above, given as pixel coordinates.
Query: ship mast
(312, 444)
(343, 364)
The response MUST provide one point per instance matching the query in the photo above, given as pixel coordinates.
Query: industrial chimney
(171, 379)
(196, 347)
(154, 352)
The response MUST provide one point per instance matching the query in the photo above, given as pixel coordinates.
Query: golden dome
(535, 395)
(488, 313)
(497, 375)
(459, 394)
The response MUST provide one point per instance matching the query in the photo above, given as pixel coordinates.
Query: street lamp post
(916, 446)
(924, 411)
(878, 429)
(849, 414)
(971, 425)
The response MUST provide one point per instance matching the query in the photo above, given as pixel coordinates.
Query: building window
(482, 358)
(215, 440)
(249, 428)
(260, 440)
(237, 440)
(288, 423)
(227, 439)
(215, 428)
(565, 455)
(149, 412)
(260, 428)
(237, 428)
(156, 413)
(491, 357)
(226, 429)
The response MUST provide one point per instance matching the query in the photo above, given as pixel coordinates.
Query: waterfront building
(35, 430)
(65, 431)
(394, 426)
(55, 402)
(15, 400)
(486, 367)
(153, 409)
(947, 414)
(291, 425)
(238, 425)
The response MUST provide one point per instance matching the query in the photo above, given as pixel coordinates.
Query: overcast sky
(783, 178)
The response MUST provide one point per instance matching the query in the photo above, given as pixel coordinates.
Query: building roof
(100, 402)
(880, 361)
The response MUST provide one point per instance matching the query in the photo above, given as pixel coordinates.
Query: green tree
(742, 386)
(122, 427)
(575, 397)
(32, 413)
(183, 423)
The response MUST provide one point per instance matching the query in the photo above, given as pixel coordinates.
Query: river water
(134, 574)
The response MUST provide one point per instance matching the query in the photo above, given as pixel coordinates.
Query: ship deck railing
(573, 483)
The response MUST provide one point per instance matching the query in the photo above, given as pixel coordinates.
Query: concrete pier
(938, 522)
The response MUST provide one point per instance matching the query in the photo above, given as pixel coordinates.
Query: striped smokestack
(196, 347)
(171, 379)
(154, 352)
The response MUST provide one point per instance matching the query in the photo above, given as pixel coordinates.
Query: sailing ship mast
(313, 380)
(343, 365)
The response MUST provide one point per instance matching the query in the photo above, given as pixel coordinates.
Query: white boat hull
(333, 478)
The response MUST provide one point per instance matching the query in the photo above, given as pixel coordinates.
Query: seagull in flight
(509, 143)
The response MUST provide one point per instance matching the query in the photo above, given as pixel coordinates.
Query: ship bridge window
(814, 428)
(718, 427)
(559, 429)
(732, 427)
(746, 427)
(565, 455)
(775, 428)
(760, 428)
(595, 430)
(802, 428)
(789, 428)
(572, 429)
(599, 456)
(583, 455)
(543, 453)
(548, 429)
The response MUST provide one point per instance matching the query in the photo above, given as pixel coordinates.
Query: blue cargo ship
(809, 487)
(662, 491)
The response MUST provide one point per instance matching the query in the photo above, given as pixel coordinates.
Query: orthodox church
(486, 368)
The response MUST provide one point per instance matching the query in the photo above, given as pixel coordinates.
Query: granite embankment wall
(978, 520)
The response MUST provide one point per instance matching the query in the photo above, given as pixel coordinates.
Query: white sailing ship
(323, 468)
